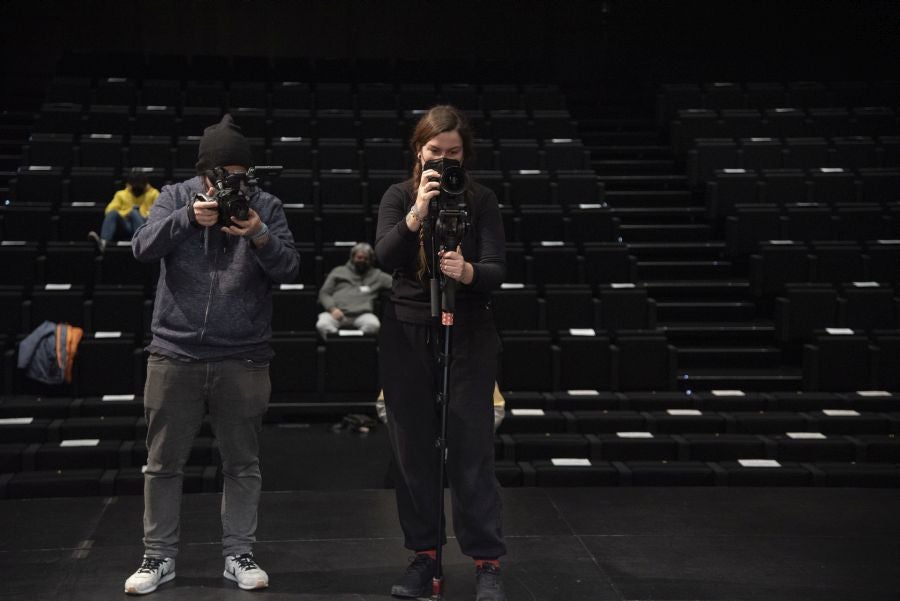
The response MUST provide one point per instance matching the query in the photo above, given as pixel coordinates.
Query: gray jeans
(177, 395)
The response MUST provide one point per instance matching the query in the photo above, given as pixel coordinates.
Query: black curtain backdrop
(627, 41)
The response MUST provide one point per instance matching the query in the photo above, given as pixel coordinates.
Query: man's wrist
(263, 231)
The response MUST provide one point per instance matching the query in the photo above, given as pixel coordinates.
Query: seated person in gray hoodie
(349, 292)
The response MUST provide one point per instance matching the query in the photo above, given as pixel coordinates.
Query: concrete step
(758, 333)
(651, 198)
(644, 182)
(633, 167)
(683, 270)
(713, 290)
(757, 380)
(661, 251)
(630, 151)
(695, 232)
(643, 215)
(712, 311)
(755, 357)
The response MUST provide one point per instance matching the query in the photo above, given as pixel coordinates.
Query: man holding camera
(221, 242)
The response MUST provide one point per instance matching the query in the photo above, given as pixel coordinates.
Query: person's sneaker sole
(405, 594)
(167, 578)
(259, 583)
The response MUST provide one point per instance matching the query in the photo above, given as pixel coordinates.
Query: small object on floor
(355, 422)
(244, 570)
(153, 572)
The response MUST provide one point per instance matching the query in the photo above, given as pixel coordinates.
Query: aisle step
(651, 198)
(726, 357)
(683, 270)
(636, 167)
(761, 380)
(658, 233)
(733, 311)
(630, 151)
(704, 250)
(714, 290)
(672, 215)
(758, 333)
(644, 182)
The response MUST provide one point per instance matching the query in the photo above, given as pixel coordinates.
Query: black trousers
(410, 378)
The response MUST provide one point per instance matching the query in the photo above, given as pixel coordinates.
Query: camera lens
(453, 180)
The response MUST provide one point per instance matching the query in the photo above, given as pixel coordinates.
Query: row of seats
(845, 359)
(751, 225)
(127, 308)
(539, 263)
(300, 94)
(729, 187)
(708, 155)
(79, 482)
(561, 472)
(111, 150)
(112, 363)
(693, 124)
(781, 262)
(861, 307)
(532, 404)
(161, 120)
(543, 224)
(591, 434)
(673, 97)
(555, 472)
(41, 184)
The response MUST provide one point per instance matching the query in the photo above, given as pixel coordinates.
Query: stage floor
(766, 544)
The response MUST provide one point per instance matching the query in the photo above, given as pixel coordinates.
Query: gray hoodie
(213, 298)
(352, 292)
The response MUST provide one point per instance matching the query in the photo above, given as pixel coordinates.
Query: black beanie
(223, 144)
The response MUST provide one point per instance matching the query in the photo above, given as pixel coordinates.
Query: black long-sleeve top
(483, 245)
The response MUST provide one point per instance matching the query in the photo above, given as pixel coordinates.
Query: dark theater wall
(578, 40)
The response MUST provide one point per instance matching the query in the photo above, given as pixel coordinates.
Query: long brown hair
(439, 119)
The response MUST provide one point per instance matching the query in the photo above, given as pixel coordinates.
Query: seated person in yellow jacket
(127, 211)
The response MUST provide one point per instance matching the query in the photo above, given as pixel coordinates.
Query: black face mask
(138, 190)
(360, 267)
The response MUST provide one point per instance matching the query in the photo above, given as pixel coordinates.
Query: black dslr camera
(449, 206)
(232, 191)
(453, 176)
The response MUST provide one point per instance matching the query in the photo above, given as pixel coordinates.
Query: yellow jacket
(124, 201)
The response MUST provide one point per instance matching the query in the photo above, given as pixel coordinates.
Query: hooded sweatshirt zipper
(212, 283)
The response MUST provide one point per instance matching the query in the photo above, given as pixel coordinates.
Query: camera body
(453, 177)
(232, 194)
(449, 206)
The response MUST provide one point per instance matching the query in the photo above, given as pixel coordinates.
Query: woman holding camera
(410, 341)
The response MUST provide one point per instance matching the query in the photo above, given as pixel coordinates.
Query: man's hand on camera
(207, 213)
(246, 228)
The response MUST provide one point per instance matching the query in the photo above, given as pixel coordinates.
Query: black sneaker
(488, 586)
(416, 581)
(99, 242)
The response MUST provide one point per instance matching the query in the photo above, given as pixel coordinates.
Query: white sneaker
(153, 572)
(244, 570)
